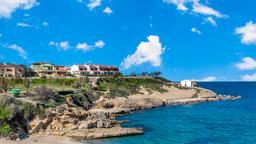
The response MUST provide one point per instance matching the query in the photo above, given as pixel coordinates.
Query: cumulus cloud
(247, 33)
(150, 51)
(7, 7)
(86, 47)
(64, 45)
(83, 46)
(99, 44)
(93, 4)
(196, 7)
(249, 77)
(108, 10)
(247, 63)
(22, 53)
(196, 30)
(22, 24)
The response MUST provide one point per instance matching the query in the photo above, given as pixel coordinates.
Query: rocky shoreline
(71, 121)
(100, 122)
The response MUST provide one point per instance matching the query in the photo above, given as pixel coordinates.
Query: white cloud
(196, 7)
(210, 20)
(195, 30)
(93, 4)
(205, 10)
(7, 7)
(86, 47)
(248, 77)
(45, 24)
(247, 63)
(150, 51)
(208, 79)
(99, 44)
(108, 10)
(247, 33)
(22, 53)
(83, 46)
(22, 24)
(181, 4)
(64, 45)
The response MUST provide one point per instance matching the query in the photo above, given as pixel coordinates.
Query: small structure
(188, 83)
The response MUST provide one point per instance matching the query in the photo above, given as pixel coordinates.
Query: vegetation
(122, 87)
(5, 130)
(50, 93)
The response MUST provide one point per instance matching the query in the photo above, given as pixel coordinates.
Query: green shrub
(4, 112)
(5, 130)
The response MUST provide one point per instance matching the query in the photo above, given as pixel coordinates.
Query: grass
(123, 87)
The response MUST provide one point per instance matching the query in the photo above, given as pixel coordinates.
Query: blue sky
(185, 39)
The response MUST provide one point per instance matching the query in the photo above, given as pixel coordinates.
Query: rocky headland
(78, 115)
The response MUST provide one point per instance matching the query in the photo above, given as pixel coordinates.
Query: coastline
(106, 110)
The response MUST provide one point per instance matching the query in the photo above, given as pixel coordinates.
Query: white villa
(188, 83)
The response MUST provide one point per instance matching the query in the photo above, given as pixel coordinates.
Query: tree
(133, 74)
(117, 74)
(157, 73)
(144, 74)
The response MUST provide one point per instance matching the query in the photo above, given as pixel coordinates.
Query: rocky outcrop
(146, 100)
(96, 133)
(80, 124)
(99, 122)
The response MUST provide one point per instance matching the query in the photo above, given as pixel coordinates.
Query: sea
(222, 122)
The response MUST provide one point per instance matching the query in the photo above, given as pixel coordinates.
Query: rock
(87, 124)
(104, 123)
(96, 133)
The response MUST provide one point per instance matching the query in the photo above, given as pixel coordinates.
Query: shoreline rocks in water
(96, 119)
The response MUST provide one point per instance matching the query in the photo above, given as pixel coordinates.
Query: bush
(5, 130)
(4, 113)
(44, 92)
(102, 86)
(30, 111)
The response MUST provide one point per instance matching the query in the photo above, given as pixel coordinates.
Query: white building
(188, 83)
(89, 70)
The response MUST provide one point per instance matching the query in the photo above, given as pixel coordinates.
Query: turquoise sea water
(229, 122)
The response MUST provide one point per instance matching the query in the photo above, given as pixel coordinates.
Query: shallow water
(231, 122)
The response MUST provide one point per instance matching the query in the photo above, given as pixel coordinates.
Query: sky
(203, 40)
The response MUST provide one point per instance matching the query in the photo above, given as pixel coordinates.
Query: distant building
(93, 70)
(42, 69)
(59, 71)
(12, 70)
(188, 83)
(48, 70)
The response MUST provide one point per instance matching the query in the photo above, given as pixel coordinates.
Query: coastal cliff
(90, 114)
